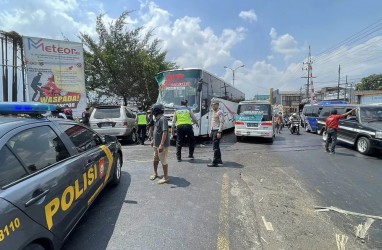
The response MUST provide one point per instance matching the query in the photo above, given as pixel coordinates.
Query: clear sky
(270, 37)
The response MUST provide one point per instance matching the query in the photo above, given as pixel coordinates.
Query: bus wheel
(239, 138)
(364, 146)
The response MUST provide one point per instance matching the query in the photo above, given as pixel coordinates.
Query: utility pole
(339, 78)
(300, 95)
(346, 86)
(350, 94)
(309, 84)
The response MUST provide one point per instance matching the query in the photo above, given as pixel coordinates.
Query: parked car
(119, 121)
(51, 171)
(364, 130)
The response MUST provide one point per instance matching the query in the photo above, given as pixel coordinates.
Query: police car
(51, 171)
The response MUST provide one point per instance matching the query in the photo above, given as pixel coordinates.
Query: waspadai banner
(55, 72)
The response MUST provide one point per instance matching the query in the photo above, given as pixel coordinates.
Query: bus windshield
(175, 86)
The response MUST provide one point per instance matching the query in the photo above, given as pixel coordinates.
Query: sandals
(163, 181)
(153, 177)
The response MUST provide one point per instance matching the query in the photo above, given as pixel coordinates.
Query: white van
(254, 119)
(119, 121)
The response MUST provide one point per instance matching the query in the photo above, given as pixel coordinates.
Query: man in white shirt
(217, 120)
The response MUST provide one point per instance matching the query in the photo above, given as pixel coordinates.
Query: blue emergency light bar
(26, 107)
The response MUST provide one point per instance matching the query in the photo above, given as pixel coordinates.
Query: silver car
(119, 121)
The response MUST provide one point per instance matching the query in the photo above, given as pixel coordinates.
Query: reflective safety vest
(142, 120)
(183, 116)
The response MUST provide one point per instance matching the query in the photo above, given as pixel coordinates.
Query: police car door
(48, 192)
(98, 159)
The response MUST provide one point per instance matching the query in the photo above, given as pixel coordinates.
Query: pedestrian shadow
(177, 182)
(227, 164)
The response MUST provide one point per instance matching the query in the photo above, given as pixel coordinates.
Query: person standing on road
(183, 120)
(86, 117)
(217, 120)
(160, 143)
(332, 128)
(142, 124)
(278, 124)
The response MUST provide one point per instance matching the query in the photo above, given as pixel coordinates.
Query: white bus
(198, 87)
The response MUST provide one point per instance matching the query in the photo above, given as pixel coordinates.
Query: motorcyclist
(295, 123)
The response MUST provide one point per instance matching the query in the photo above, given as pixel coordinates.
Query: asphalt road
(264, 197)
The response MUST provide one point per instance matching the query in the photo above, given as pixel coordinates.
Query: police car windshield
(371, 114)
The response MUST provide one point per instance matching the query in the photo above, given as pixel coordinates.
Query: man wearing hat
(217, 120)
(183, 120)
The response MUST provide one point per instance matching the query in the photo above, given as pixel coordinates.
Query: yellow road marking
(223, 236)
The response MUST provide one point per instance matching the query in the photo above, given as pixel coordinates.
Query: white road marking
(361, 229)
(341, 241)
(339, 210)
(267, 224)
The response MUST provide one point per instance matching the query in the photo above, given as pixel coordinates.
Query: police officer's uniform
(183, 120)
(142, 123)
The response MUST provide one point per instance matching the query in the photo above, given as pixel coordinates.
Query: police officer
(183, 120)
(142, 123)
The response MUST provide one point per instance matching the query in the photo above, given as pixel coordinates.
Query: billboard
(55, 72)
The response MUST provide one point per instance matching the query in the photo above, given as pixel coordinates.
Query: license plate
(252, 125)
(106, 124)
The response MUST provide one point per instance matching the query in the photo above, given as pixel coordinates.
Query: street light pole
(233, 73)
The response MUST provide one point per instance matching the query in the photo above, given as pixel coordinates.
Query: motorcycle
(295, 127)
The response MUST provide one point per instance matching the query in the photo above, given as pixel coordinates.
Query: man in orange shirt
(332, 128)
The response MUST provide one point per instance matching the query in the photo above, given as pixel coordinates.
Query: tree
(372, 82)
(123, 62)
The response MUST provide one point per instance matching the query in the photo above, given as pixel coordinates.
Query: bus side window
(204, 106)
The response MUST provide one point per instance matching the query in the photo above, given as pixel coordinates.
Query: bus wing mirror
(200, 85)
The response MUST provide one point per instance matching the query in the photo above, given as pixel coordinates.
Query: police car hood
(377, 125)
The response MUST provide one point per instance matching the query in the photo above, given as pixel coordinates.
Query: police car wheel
(363, 145)
(117, 172)
(34, 246)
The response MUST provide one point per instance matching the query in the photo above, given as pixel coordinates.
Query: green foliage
(123, 62)
(372, 82)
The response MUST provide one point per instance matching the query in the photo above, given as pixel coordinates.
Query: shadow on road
(177, 182)
(97, 225)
